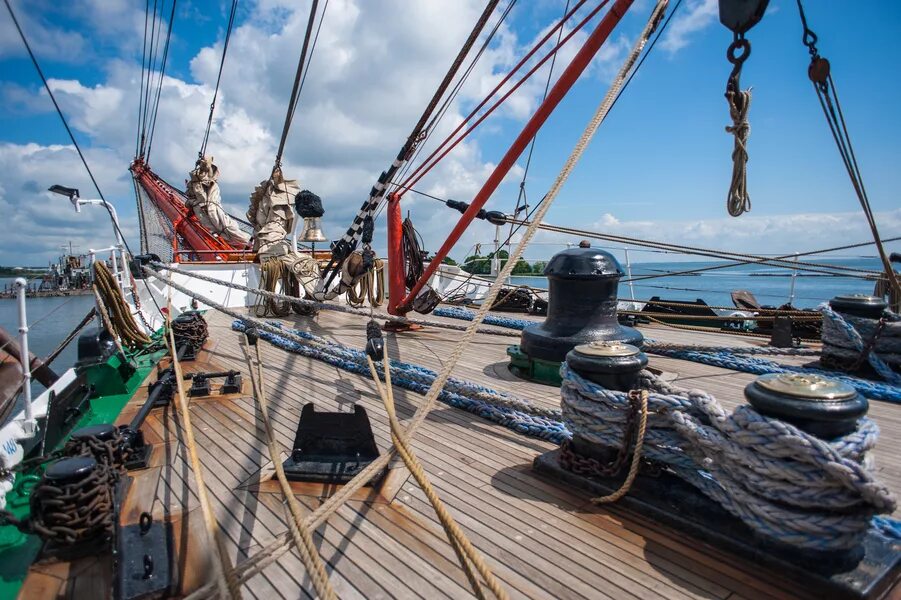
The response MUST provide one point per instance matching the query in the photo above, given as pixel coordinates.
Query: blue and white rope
(785, 484)
(455, 312)
(511, 412)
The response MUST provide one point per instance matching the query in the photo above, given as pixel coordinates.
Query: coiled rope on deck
(853, 340)
(782, 482)
(499, 407)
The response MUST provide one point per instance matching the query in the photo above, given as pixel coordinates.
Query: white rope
(784, 483)
(739, 201)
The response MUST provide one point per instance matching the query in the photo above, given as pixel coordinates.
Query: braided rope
(269, 554)
(227, 584)
(468, 555)
(303, 539)
(784, 483)
(843, 336)
(514, 413)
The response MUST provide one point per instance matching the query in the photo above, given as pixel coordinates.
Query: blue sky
(659, 168)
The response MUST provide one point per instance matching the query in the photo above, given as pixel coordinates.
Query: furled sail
(205, 201)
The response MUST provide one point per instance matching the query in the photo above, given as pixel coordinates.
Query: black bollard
(824, 407)
(582, 293)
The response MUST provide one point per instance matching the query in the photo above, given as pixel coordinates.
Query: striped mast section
(342, 248)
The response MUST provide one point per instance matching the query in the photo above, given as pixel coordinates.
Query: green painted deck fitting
(533, 369)
(115, 383)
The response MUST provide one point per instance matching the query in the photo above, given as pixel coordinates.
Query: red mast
(399, 304)
(198, 239)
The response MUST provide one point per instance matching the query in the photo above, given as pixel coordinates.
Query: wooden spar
(579, 63)
(167, 199)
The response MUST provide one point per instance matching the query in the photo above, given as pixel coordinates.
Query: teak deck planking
(542, 540)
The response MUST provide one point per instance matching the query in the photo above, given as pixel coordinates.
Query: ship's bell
(312, 230)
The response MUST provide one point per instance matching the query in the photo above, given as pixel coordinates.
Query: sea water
(50, 320)
(771, 286)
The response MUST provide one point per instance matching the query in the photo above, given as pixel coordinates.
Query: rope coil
(785, 484)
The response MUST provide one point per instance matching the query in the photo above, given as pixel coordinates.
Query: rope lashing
(785, 484)
(499, 407)
(857, 339)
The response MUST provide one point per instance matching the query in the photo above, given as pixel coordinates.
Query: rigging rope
(447, 145)
(228, 34)
(159, 91)
(521, 197)
(226, 581)
(820, 75)
(745, 258)
(270, 553)
(343, 247)
(469, 557)
(295, 90)
(303, 539)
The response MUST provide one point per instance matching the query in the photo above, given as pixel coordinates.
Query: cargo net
(157, 231)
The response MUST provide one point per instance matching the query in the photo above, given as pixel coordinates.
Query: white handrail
(29, 425)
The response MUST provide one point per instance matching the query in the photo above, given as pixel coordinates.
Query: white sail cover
(204, 199)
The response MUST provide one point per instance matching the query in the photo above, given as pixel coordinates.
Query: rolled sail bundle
(271, 213)
(860, 334)
(205, 200)
(786, 484)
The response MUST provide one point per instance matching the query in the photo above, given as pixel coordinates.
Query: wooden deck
(541, 540)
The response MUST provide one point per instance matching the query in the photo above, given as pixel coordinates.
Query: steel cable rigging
(159, 89)
(820, 75)
(228, 34)
(303, 65)
(342, 248)
(450, 142)
(62, 117)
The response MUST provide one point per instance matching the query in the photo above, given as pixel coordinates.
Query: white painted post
(629, 274)
(29, 426)
(496, 261)
(791, 291)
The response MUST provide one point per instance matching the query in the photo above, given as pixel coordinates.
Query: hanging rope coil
(369, 287)
(123, 324)
(738, 200)
(785, 484)
(273, 273)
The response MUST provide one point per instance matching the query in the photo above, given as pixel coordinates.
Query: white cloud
(777, 234)
(696, 15)
(375, 67)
